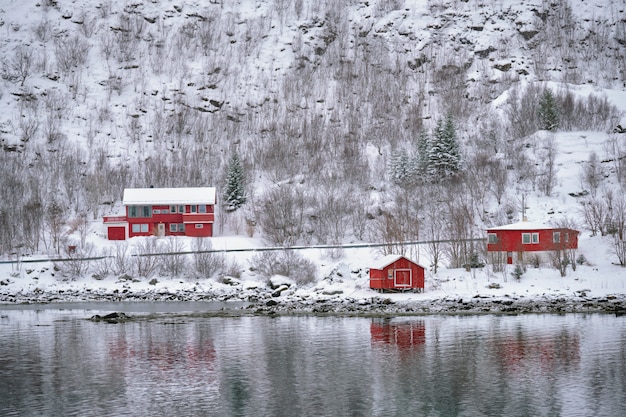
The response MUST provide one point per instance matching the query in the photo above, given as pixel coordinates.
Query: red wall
(511, 240)
(206, 231)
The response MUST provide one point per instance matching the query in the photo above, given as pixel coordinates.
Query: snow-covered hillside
(321, 100)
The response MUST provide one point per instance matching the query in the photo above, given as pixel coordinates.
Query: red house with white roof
(529, 237)
(164, 212)
(396, 273)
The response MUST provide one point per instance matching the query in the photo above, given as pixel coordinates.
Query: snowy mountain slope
(315, 96)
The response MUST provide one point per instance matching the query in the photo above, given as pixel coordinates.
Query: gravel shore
(263, 303)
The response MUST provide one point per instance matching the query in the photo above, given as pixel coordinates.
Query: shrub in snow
(518, 272)
(286, 263)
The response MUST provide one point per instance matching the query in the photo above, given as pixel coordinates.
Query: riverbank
(342, 287)
(265, 303)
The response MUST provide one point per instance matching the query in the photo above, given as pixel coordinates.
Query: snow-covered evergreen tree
(234, 195)
(420, 162)
(547, 112)
(444, 159)
(400, 168)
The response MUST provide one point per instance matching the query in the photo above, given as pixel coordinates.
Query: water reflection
(57, 363)
(521, 352)
(405, 335)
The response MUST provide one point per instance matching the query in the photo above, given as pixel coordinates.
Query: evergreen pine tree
(421, 159)
(547, 112)
(234, 195)
(444, 159)
(400, 168)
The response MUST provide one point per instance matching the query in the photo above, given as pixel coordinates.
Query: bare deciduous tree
(282, 215)
(145, 264)
(619, 227)
(173, 261)
(20, 66)
(547, 178)
(206, 263)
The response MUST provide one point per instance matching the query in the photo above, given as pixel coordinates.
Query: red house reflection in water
(165, 354)
(404, 335)
(547, 351)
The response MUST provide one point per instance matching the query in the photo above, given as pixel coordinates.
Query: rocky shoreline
(380, 305)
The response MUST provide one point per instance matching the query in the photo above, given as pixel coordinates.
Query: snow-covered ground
(342, 283)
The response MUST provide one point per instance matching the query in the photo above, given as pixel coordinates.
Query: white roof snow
(385, 261)
(523, 226)
(152, 196)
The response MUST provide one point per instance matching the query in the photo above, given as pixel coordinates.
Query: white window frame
(556, 237)
(526, 238)
(492, 238)
(199, 226)
(144, 227)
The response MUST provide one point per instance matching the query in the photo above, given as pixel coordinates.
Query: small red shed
(396, 273)
(521, 237)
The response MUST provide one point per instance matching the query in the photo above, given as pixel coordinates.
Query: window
(172, 209)
(181, 209)
(165, 211)
(202, 208)
(156, 211)
(199, 226)
(556, 237)
(139, 211)
(140, 228)
(528, 238)
(177, 227)
(193, 208)
(493, 238)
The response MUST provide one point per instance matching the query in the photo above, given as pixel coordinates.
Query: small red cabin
(164, 212)
(396, 273)
(523, 237)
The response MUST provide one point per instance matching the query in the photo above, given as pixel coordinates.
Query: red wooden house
(523, 237)
(164, 212)
(396, 273)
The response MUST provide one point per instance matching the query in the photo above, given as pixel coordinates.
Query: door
(161, 229)
(403, 278)
(116, 233)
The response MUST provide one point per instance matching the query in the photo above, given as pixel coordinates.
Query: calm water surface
(53, 362)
